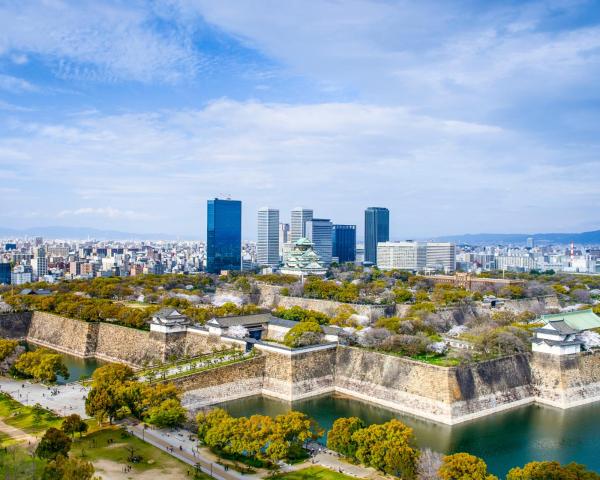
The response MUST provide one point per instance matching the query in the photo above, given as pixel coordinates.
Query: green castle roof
(579, 319)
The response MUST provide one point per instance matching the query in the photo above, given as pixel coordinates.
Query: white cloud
(107, 212)
(15, 85)
(97, 40)
(337, 157)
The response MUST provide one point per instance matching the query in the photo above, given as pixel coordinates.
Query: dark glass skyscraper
(344, 243)
(377, 229)
(224, 235)
(4, 273)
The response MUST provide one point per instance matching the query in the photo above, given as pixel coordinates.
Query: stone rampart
(115, 343)
(15, 325)
(330, 307)
(568, 380)
(238, 380)
(63, 334)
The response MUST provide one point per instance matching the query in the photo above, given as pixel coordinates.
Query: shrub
(293, 338)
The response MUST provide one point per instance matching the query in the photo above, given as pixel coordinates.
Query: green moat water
(504, 440)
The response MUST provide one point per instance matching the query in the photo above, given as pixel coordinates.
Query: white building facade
(267, 247)
(299, 218)
(441, 256)
(402, 256)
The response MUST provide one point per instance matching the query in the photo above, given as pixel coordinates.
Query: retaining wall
(15, 325)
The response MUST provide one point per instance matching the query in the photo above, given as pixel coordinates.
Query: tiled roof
(578, 320)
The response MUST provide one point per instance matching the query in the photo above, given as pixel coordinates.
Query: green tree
(169, 413)
(551, 471)
(109, 384)
(68, 469)
(74, 424)
(388, 447)
(463, 466)
(339, 438)
(54, 443)
(7, 347)
(293, 336)
(42, 365)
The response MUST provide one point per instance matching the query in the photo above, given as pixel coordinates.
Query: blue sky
(459, 116)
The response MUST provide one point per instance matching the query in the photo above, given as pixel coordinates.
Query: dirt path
(108, 470)
(17, 434)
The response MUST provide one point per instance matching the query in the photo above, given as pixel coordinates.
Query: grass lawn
(314, 473)
(28, 419)
(95, 447)
(17, 463)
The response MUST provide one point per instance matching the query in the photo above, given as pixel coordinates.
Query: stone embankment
(445, 394)
(113, 343)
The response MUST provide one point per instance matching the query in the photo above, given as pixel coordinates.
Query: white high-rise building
(402, 256)
(441, 256)
(284, 237)
(267, 247)
(39, 263)
(299, 218)
(319, 231)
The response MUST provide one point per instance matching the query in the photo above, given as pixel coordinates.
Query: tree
(169, 413)
(68, 469)
(7, 347)
(54, 443)
(339, 438)
(109, 386)
(463, 466)
(292, 337)
(74, 424)
(388, 447)
(42, 364)
(551, 471)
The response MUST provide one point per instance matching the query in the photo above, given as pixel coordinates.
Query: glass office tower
(377, 229)
(344, 243)
(224, 235)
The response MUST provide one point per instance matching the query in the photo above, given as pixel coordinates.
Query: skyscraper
(319, 231)
(223, 235)
(299, 218)
(39, 263)
(344, 243)
(267, 247)
(5, 273)
(377, 229)
(284, 237)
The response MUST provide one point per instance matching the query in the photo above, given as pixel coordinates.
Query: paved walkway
(171, 443)
(17, 434)
(68, 399)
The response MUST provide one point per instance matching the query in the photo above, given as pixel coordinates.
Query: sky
(458, 116)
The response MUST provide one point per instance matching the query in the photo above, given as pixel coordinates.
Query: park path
(187, 453)
(17, 434)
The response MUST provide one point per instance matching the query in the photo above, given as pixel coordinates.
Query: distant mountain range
(81, 233)
(585, 238)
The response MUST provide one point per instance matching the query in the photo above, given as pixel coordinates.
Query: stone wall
(329, 307)
(566, 381)
(127, 345)
(110, 342)
(15, 325)
(63, 334)
(222, 384)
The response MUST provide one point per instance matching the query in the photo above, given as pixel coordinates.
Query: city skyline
(463, 117)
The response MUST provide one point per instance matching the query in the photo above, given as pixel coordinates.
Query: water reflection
(504, 440)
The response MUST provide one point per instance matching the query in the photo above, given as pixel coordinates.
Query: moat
(504, 440)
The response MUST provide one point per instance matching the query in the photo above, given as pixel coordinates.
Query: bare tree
(429, 464)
